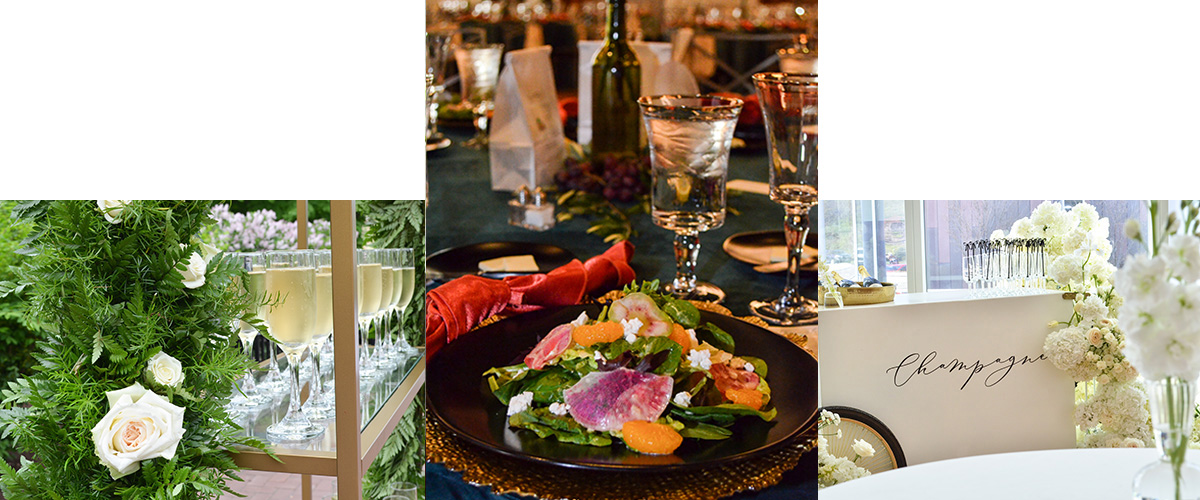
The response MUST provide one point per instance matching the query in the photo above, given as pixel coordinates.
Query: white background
(923, 99)
(211, 99)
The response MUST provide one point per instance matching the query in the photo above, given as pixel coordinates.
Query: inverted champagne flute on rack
(789, 107)
(293, 322)
(370, 284)
(479, 71)
(320, 404)
(690, 138)
(249, 398)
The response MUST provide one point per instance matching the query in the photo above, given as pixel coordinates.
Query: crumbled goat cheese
(519, 403)
(683, 399)
(581, 320)
(700, 359)
(599, 357)
(749, 367)
(631, 327)
(559, 409)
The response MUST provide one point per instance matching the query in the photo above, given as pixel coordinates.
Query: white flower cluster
(1161, 314)
(1077, 243)
(832, 469)
(1090, 346)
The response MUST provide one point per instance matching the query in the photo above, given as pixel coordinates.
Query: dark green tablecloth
(463, 210)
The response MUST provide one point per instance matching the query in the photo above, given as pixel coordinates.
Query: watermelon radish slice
(551, 347)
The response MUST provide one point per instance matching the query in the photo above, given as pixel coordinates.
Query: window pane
(949, 223)
(870, 233)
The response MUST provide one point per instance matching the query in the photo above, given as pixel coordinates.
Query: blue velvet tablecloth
(464, 210)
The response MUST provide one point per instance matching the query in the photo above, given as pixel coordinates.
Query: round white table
(1094, 474)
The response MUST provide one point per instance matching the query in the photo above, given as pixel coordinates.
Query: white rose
(193, 273)
(208, 251)
(863, 448)
(165, 370)
(140, 425)
(112, 209)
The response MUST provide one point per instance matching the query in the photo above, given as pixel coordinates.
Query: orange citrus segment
(650, 438)
(607, 331)
(748, 397)
(680, 336)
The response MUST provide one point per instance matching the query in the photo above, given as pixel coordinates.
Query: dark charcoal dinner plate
(459, 396)
(460, 261)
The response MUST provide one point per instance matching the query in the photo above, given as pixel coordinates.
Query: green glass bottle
(616, 86)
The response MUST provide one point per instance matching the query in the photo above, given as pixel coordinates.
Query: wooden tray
(858, 295)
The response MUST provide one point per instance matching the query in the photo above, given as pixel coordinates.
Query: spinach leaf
(700, 430)
(716, 337)
(682, 312)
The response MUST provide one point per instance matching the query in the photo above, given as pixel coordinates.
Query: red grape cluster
(617, 178)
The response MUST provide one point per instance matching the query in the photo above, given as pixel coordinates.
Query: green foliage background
(401, 224)
(110, 297)
(284, 209)
(17, 332)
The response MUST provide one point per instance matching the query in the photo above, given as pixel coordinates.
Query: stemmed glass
(320, 406)
(370, 285)
(437, 51)
(479, 70)
(789, 105)
(250, 397)
(406, 274)
(383, 341)
(689, 138)
(292, 321)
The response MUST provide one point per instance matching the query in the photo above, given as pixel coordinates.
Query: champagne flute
(319, 405)
(370, 284)
(383, 342)
(789, 104)
(388, 306)
(250, 398)
(273, 382)
(293, 322)
(406, 273)
(479, 70)
(689, 138)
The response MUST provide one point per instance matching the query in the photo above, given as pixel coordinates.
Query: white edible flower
(193, 273)
(140, 425)
(559, 409)
(519, 403)
(631, 327)
(581, 320)
(748, 367)
(683, 399)
(699, 359)
(112, 209)
(863, 448)
(165, 370)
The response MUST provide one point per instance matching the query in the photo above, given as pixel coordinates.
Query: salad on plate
(645, 372)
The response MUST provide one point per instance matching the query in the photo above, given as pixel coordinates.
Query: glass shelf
(382, 401)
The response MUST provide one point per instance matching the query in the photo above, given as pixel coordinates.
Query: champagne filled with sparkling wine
(292, 321)
(407, 277)
(616, 86)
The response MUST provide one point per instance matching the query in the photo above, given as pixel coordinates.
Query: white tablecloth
(1094, 474)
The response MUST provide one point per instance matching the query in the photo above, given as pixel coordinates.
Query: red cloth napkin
(456, 307)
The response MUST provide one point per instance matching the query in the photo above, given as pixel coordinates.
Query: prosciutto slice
(551, 346)
(604, 401)
(727, 378)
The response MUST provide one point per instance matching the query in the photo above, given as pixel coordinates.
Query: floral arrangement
(260, 231)
(832, 469)
(1090, 346)
(127, 400)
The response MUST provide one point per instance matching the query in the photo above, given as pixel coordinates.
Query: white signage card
(951, 375)
(526, 135)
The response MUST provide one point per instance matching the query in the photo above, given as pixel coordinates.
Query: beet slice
(604, 401)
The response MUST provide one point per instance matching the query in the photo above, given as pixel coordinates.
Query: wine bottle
(616, 86)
